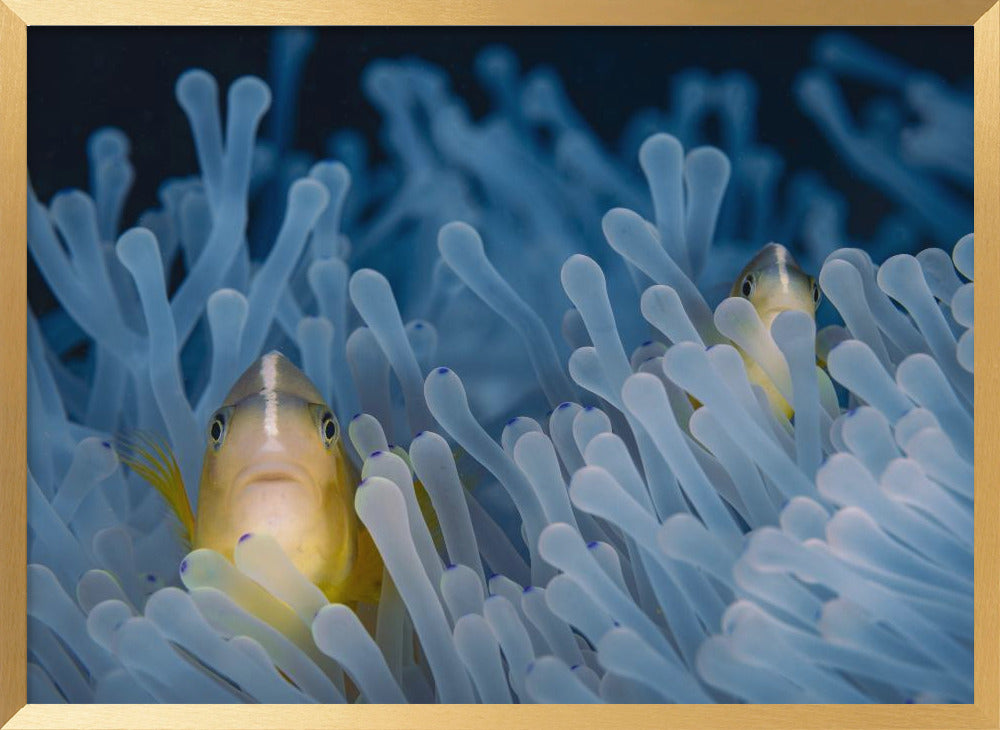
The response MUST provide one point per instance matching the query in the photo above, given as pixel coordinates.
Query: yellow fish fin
(430, 516)
(364, 583)
(150, 457)
(423, 501)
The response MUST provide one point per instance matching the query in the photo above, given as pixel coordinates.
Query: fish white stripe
(781, 262)
(269, 374)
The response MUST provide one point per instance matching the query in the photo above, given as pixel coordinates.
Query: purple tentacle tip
(184, 566)
(244, 536)
(442, 371)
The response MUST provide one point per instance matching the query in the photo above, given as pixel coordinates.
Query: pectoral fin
(150, 457)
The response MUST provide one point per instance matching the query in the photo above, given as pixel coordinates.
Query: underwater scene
(424, 365)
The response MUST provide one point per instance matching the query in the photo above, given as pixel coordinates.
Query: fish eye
(217, 429)
(748, 285)
(328, 428)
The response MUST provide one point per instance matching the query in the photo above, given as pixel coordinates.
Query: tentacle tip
(244, 537)
(442, 371)
(564, 406)
(184, 567)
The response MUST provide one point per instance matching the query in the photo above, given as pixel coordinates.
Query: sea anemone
(623, 516)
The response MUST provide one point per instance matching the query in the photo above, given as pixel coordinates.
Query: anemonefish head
(774, 283)
(274, 463)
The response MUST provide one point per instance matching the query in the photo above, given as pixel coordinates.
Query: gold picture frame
(16, 15)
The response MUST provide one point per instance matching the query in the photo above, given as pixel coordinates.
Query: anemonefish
(774, 283)
(274, 463)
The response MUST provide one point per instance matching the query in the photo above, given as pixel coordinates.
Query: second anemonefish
(773, 282)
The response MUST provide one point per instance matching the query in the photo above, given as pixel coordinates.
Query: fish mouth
(276, 473)
(767, 316)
